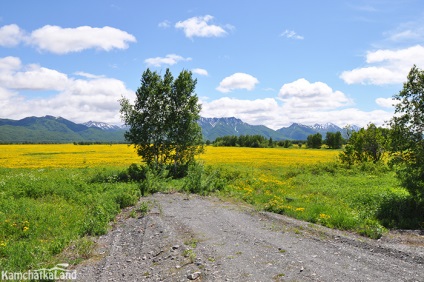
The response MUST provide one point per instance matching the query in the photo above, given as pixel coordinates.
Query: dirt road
(186, 238)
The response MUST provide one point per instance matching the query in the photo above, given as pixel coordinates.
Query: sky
(268, 62)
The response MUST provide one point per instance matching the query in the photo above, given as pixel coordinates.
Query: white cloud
(199, 27)
(291, 35)
(80, 100)
(301, 94)
(10, 35)
(8, 64)
(386, 66)
(386, 102)
(164, 24)
(412, 32)
(237, 81)
(170, 59)
(258, 112)
(200, 71)
(274, 115)
(60, 40)
(88, 75)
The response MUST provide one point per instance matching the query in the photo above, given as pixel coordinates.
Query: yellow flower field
(67, 155)
(121, 155)
(263, 157)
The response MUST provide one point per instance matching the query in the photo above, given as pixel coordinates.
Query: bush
(202, 180)
(154, 180)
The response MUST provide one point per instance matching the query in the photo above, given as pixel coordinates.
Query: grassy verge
(42, 211)
(366, 199)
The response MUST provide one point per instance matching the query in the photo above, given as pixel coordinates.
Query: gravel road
(185, 238)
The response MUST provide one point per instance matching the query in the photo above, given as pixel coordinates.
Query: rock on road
(185, 238)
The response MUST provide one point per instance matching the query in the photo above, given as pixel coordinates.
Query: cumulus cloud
(291, 35)
(238, 80)
(79, 99)
(200, 71)
(301, 94)
(58, 40)
(386, 66)
(10, 35)
(200, 27)
(170, 59)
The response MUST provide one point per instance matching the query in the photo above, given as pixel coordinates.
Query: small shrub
(154, 180)
(201, 180)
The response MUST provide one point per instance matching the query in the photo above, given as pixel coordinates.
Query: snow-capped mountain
(102, 125)
(327, 127)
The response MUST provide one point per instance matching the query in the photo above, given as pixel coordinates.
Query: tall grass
(329, 194)
(43, 210)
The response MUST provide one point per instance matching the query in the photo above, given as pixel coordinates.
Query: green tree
(407, 134)
(163, 120)
(314, 141)
(334, 140)
(368, 144)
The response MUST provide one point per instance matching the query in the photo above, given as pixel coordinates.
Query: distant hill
(218, 127)
(298, 131)
(50, 129)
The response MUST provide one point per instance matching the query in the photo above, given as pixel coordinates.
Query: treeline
(252, 141)
(97, 143)
(333, 140)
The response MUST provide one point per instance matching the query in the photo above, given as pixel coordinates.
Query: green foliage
(314, 141)
(42, 211)
(162, 121)
(285, 144)
(366, 198)
(253, 141)
(155, 179)
(407, 134)
(334, 140)
(367, 145)
(203, 180)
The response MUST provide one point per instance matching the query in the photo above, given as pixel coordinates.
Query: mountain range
(50, 129)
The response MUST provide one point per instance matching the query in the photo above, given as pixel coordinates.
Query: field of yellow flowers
(121, 155)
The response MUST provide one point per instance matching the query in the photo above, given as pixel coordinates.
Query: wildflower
(300, 209)
(26, 228)
(2, 244)
(324, 216)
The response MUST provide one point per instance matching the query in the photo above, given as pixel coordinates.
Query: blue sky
(265, 62)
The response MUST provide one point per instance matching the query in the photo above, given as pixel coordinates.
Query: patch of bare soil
(185, 238)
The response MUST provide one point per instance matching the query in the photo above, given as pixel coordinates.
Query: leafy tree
(368, 144)
(334, 140)
(407, 133)
(314, 141)
(254, 141)
(162, 121)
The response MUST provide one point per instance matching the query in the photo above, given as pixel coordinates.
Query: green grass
(42, 211)
(366, 199)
